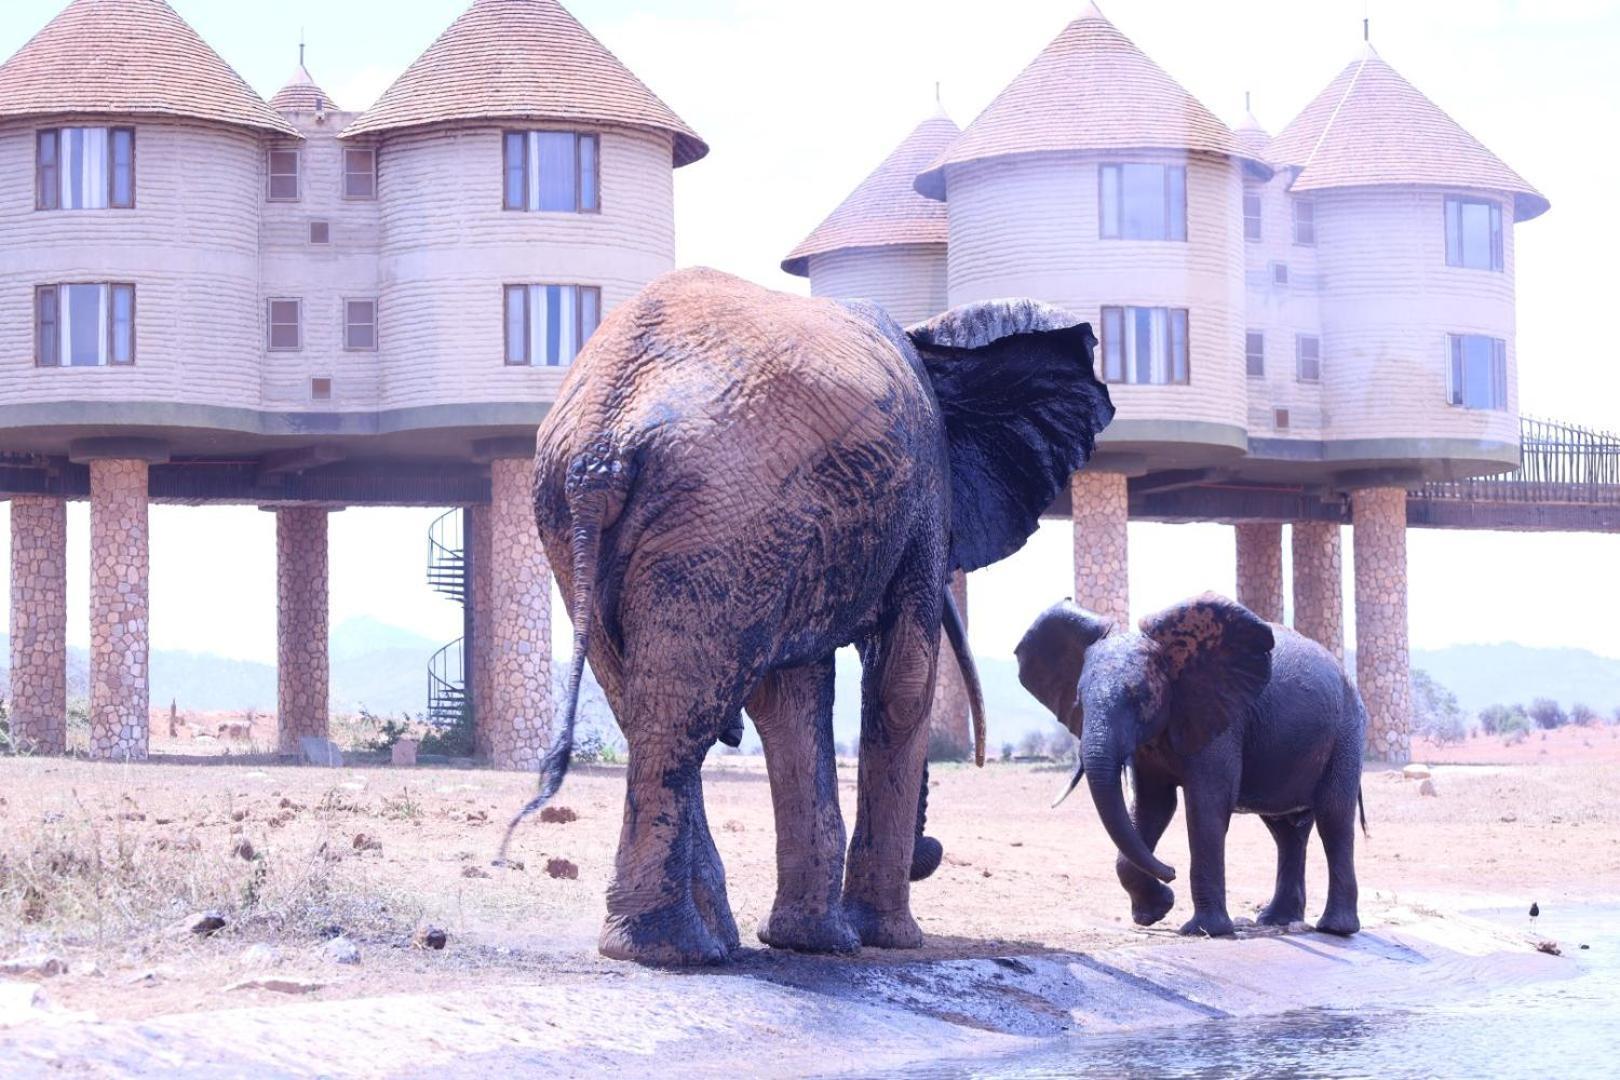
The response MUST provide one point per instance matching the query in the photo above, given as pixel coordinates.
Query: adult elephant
(1241, 715)
(734, 483)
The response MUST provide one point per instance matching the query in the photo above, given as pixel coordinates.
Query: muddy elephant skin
(1240, 715)
(733, 484)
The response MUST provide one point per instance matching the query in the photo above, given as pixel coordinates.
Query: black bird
(1535, 912)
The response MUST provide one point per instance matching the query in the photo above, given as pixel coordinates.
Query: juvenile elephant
(1241, 715)
(734, 483)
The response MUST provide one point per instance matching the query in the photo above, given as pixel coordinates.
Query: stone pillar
(1319, 584)
(303, 655)
(119, 631)
(1383, 663)
(1101, 544)
(477, 644)
(950, 727)
(39, 624)
(1259, 568)
(519, 725)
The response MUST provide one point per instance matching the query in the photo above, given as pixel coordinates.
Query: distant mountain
(385, 668)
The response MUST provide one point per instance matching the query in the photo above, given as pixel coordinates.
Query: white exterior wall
(908, 281)
(448, 247)
(322, 276)
(1028, 226)
(1282, 312)
(1388, 300)
(190, 246)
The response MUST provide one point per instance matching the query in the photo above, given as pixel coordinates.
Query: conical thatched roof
(1090, 89)
(1371, 127)
(128, 58)
(523, 60)
(885, 209)
(1252, 136)
(302, 95)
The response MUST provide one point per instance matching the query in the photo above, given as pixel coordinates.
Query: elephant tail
(957, 633)
(596, 478)
(1361, 805)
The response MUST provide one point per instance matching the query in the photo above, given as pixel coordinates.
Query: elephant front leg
(896, 691)
(1151, 899)
(665, 871)
(793, 711)
(1208, 816)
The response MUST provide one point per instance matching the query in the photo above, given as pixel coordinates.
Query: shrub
(594, 748)
(1516, 736)
(1582, 715)
(1007, 747)
(1502, 719)
(1436, 715)
(455, 739)
(1063, 746)
(1547, 714)
(386, 730)
(1032, 745)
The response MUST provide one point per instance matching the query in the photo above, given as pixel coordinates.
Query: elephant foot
(883, 929)
(1281, 913)
(1150, 905)
(1208, 924)
(709, 898)
(827, 932)
(925, 857)
(1342, 923)
(672, 937)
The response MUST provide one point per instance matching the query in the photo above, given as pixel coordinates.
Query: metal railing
(447, 559)
(1558, 464)
(447, 684)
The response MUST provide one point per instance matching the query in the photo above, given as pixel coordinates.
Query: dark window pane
(359, 174)
(1140, 344)
(284, 175)
(516, 158)
(360, 325)
(285, 320)
(1178, 345)
(1251, 215)
(1496, 237)
(551, 319)
(123, 324)
(48, 343)
(1113, 341)
(49, 179)
(1108, 202)
(559, 170)
(1176, 200)
(589, 173)
(1254, 350)
(1142, 203)
(590, 313)
(1453, 233)
(123, 167)
(1304, 222)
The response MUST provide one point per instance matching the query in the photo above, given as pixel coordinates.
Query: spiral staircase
(448, 573)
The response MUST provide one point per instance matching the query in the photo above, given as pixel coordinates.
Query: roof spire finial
(1247, 105)
(300, 46)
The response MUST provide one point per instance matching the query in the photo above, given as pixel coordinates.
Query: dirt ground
(101, 865)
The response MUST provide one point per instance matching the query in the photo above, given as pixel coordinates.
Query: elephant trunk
(1104, 774)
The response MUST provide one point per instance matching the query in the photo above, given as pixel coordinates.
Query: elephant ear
(1052, 655)
(1216, 657)
(1022, 409)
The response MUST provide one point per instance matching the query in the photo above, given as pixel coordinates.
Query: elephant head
(1181, 680)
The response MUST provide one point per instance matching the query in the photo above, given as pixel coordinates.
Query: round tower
(886, 242)
(1096, 182)
(525, 187)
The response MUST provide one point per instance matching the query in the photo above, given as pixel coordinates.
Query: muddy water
(1560, 1028)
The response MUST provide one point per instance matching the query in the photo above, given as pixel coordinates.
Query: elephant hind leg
(1336, 823)
(792, 709)
(1292, 832)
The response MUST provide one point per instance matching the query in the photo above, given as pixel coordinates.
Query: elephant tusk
(1074, 782)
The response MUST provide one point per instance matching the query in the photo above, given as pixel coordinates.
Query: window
(84, 325)
(1279, 273)
(1144, 345)
(552, 170)
(286, 325)
(283, 176)
(1142, 202)
(1280, 419)
(320, 232)
(1473, 234)
(1305, 222)
(1478, 371)
(360, 325)
(84, 169)
(1254, 353)
(547, 325)
(1307, 358)
(320, 389)
(1251, 214)
(360, 174)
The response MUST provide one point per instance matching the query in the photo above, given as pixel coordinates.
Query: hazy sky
(799, 100)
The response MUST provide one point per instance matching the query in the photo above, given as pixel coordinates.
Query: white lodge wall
(448, 247)
(1282, 313)
(1028, 226)
(908, 280)
(1388, 300)
(190, 246)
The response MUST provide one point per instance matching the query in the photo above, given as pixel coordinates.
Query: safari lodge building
(1295, 329)
(210, 298)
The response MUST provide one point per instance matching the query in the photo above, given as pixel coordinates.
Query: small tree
(1033, 744)
(1548, 714)
(1582, 714)
(1062, 745)
(1436, 715)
